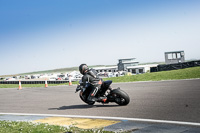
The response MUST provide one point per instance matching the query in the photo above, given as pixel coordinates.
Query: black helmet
(83, 68)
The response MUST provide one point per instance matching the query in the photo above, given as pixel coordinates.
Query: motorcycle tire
(121, 97)
(90, 103)
(83, 99)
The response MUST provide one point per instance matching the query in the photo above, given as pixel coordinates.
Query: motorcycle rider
(90, 75)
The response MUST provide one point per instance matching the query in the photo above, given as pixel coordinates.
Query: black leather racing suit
(91, 77)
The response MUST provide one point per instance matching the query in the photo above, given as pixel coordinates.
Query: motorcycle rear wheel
(121, 97)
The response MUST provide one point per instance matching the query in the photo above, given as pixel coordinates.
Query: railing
(175, 66)
(34, 82)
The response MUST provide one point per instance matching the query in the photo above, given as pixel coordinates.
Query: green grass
(188, 73)
(29, 127)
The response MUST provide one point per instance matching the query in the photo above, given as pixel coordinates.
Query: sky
(38, 35)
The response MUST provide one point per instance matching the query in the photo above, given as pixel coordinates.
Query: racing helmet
(83, 68)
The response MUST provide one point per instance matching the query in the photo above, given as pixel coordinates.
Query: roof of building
(99, 68)
(127, 59)
(142, 66)
(130, 62)
(174, 52)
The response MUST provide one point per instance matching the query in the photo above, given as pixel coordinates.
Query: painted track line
(110, 118)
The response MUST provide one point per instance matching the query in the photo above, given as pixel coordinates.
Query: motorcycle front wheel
(121, 97)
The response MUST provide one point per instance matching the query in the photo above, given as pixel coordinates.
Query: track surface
(165, 100)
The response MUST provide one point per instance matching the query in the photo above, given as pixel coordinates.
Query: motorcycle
(113, 95)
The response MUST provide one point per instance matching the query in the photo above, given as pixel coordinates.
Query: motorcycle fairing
(106, 84)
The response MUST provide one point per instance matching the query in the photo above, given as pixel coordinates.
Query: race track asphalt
(163, 100)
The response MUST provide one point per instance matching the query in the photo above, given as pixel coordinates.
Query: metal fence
(34, 82)
(175, 66)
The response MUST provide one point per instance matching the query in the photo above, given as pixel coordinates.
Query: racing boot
(102, 99)
(92, 99)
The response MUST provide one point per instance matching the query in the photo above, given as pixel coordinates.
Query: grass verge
(29, 127)
(30, 85)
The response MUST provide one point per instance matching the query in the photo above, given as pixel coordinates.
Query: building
(124, 63)
(174, 57)
(140, 68)
(106, 69)
(127, 65)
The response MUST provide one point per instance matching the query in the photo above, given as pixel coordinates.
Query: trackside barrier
(166, 67)
(34, 82)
